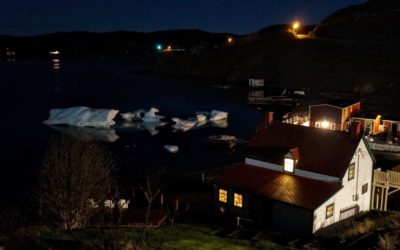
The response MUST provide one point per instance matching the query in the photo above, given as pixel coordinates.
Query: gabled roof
(321, 151)
(287, 188)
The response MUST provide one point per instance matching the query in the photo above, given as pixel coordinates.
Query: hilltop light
(230, 40)
(159, 47)
(295, 27)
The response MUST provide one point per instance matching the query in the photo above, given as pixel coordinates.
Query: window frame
(364, 188)
(327, 210)
(223, 195)
(238, 200)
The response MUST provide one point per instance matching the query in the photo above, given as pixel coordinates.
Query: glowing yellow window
(238, 200)
(352, 171)
(329, 210)
(223, 195)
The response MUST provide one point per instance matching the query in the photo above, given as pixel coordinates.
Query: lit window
(289, 165)
(238, 200)
(223, 195)
(352, 169)
(329, 210)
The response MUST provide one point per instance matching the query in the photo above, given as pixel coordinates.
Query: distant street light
(295, 27)
(230, 40)
(159, 47)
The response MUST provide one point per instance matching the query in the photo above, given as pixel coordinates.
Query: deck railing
(384, 147)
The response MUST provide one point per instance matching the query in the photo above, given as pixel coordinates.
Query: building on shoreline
(297, 179)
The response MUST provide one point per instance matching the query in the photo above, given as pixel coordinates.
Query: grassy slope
(180, 236)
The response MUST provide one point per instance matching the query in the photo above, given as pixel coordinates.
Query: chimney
(355, 130)
(269, 117)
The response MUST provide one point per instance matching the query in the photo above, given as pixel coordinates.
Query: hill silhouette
(355, 50)
(375, 20)
(118, 44)
(341, 56)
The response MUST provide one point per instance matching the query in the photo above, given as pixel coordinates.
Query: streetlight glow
(296, 25)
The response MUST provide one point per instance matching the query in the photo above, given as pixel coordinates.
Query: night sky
(30, 17)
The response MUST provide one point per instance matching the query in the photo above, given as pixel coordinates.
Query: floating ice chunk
(171, 148)
(82, 116)
(201, 118)
(133, 116)
(151, 116)
(183, 125)
(218, 115)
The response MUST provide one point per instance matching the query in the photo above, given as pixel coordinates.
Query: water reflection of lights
(55, 63)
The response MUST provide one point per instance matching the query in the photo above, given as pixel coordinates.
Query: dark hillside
(361, 61)
(113, 45)
(375, 20)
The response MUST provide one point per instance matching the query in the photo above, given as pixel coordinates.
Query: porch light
(325, 124)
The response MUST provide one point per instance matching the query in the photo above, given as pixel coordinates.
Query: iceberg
(171, 148)
(214, 115)
(151, 117)
(201, 118)
(218, 115)
(82, 117)
(133, 116)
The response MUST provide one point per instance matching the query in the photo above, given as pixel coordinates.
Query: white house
(297, 179)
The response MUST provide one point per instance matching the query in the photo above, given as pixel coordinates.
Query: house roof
(337, 103)
(287, 188)
(321, 151)
(373, 117)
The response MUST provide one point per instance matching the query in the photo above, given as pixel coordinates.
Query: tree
(75, 180)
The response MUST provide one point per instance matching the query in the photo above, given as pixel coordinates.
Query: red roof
(288, 188)
(319, 150)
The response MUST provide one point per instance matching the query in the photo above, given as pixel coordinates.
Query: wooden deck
(377, 146)
(278, 100)
(383, 185)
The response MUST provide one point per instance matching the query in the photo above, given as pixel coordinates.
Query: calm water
(29, 89)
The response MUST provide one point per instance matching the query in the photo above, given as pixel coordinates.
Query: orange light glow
(296, 25)
(325, 124)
